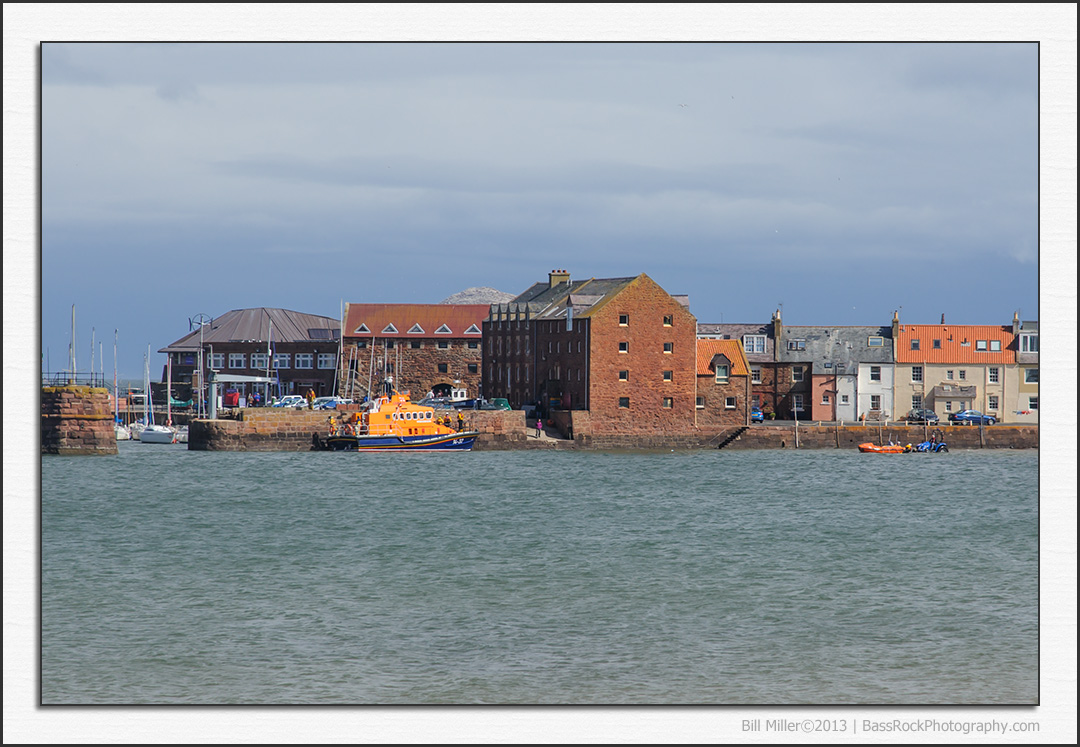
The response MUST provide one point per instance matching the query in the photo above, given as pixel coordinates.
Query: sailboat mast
(115, 391)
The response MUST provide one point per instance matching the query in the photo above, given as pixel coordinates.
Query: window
(305, 360)
(217, 361)
(949, 374)
(796, 403)
(624, 347)
(980, 345)
(700, 403)
(624, 375)
(474, 344)
(361, 345)
(389, 344)
(796, 344)
(875, 373)
(916, 373)
(824, 398)
(914, 344)
(796, 373)
(721, 373)
(937, 344)
(415, 344)
(995, 346)
(624, 402)
(258, 360)
(668, 347)
(844, 399)
(729, 403)
(667, 375)
(1033, 403)
(755, 374)
(754, 343)
(875, 401)
(472, 368)
(444, 344)
(876, 341)
(236, 360)
(624, 319)
(916, 402)
(668, 403)
(281, 360)
(1031, 376)
(327, 360)
(668, 320)
(444, 368)
(992, 402)
(993, 375)
(1029, 343)
(963, 375)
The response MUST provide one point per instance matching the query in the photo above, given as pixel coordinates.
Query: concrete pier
(76, 421)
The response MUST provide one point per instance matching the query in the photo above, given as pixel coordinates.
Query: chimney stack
(558, 276)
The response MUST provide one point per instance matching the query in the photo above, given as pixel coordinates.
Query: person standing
(539, 426)
(460, 423)
(310, 399)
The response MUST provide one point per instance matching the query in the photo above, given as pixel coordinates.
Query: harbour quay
(283, 429)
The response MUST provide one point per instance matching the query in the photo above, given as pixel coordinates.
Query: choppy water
(769, 577)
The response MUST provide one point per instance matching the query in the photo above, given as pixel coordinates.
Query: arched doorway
(441, 390)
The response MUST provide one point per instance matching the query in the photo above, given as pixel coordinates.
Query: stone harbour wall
(276, 429)
(77, 421)
(282, 429)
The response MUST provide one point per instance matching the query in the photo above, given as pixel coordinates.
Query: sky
(837, 182)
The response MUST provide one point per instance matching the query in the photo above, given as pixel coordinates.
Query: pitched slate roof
(258, 325)
(708, 349)
(958, 343)
(843, 348)
(414, 320)
(736, 331)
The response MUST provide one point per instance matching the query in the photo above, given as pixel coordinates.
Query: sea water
(171, 576)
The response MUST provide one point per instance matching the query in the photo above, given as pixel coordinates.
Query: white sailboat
(153, 433)
(122, 432)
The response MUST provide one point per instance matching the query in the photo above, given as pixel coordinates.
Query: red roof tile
(958, 343)
(375, 318)
(733, 349)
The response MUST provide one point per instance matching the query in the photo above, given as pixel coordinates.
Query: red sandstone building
(723, 384)
(622, 348)
(425, 347)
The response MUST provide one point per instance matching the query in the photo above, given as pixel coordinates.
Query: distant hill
(479, 295)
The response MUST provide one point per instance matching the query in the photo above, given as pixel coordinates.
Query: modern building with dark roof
(300, 351)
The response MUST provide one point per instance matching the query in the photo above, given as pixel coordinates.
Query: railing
(66, 378)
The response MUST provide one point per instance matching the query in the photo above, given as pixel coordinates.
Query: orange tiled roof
(403, 317)
(958, 343)
(733, 349)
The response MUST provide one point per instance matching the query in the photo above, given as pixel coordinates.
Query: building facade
(299, 351)
(723, 384)
(426, 348)
(952, 367)
(621, 348)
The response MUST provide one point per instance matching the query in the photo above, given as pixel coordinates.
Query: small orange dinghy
(869, 448)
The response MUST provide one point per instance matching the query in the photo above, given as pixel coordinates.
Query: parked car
(756, 415)
(290, 400)
(971, 417)
(330, 403)
(922, 415)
